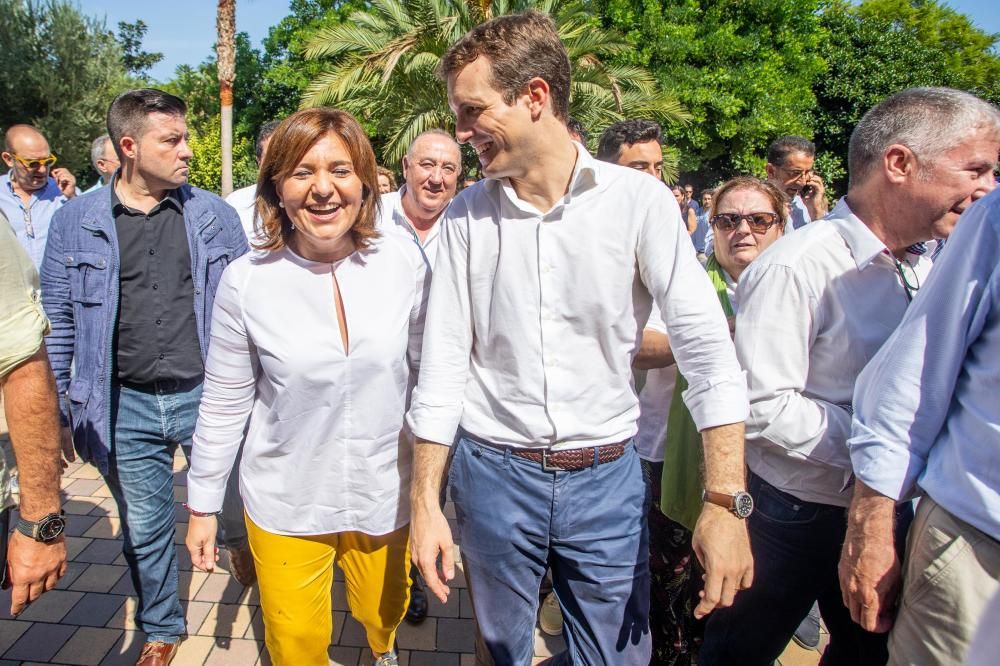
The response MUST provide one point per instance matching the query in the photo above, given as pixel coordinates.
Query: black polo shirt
(156, 337)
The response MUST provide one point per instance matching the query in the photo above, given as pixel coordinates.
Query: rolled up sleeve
(22, 319)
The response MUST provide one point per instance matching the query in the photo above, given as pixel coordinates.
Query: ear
(899, 163)
(406, 165)
(770, 170)
(8, 158)
(537, 92)
(128, 147)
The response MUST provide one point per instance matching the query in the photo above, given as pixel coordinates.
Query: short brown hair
(289, 143)
(519, 47)
(778, 199)
(382, 171)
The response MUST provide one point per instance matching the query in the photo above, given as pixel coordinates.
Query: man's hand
(34, 568)
(430, 535)
(69, 454)
(722, 545)
(200, 542)
(869, 569)
(65, 180)
(813, 195)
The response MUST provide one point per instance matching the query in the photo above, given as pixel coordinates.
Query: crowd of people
(683, 431)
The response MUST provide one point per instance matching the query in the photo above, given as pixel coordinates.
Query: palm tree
(382, 64)
(226, 55)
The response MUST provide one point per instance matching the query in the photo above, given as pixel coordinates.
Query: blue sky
(184, 30)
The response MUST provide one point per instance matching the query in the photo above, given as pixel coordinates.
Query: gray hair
(97, 149)
(928, 121)
(433, 132)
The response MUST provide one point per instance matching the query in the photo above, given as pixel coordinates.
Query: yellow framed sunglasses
(36, 163)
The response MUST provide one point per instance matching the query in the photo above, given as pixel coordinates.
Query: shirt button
(152, 251)
(156, 286)
(157, 322)
(161, 357)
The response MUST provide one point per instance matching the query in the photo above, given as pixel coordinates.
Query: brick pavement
(88, 619)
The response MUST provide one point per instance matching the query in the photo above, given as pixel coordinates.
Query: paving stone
(100, 551)
(339, 620)
(98, 578)
(195, 613)
(102, 492)
(76, 525)
(76, 545)
(94, 610)
(420, 637)
(189, 583)
(225, 620)
(353, 634)
(80, 506)
(107, 507)
(106, 527)
(126, 650)
(10, 631)
(468, 660)
(85, 487)
(50, 607)
(194, 650)
(89, 645)
(339, 597)
(124, 617)
(465, 602)
(437, 609)
(341, 655)
(454, 635)
(124, 586)
(86, 471)
(40, 642)
(180, 494)
(239, 652)
(73, 571)
(220, 588)
(423, 658)
(256, 629)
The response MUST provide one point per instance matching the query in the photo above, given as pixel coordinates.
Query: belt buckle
(545, 462)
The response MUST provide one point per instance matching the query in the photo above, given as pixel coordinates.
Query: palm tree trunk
(226, 58)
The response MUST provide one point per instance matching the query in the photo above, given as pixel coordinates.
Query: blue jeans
(588, 526)
(796, 548)
(148, 426)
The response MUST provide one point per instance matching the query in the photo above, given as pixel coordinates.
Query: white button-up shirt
(244, 200)
(814, 309)
(322, 451)
(393, 220)
(927, 408)
(534, 317)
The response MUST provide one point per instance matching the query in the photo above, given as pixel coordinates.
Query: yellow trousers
(295, 576)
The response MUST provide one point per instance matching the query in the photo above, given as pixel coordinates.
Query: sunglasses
(759, 222)
(35, 164)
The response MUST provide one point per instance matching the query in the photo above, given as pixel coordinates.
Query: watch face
(50, 528)
(743, 505)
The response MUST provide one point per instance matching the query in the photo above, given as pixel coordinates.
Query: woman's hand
(200, 542)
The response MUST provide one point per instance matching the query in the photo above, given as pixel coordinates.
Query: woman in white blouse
(313, 342)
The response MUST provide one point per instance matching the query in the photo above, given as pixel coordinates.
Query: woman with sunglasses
(746, 215)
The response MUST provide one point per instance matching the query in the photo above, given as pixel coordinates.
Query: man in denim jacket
(128, 282)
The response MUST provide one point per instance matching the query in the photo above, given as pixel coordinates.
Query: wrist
(200, 514)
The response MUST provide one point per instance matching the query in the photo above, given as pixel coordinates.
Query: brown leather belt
(571, 459)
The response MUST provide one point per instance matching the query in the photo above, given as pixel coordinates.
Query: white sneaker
(550, 617)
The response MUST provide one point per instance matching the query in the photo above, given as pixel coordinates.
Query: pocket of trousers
(939, 552)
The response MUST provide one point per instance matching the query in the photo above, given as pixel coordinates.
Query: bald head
(28, 144)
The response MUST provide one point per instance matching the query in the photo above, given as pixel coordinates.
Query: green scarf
(682, 482)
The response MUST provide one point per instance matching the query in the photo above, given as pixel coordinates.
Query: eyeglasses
(910, 286)
(797, 174)
(36, 163)
(759, 223)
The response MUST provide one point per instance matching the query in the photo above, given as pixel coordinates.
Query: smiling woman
(313, 343)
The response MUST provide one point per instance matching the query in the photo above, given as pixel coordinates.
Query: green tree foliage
(205, 168)
(137, 61)
(743, 68)
(382, 62)
(59, 70)
(880, 47)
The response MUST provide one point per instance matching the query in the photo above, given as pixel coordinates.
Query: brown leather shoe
(241, 565)
(157, 653)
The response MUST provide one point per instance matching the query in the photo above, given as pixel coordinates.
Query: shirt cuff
(716, 401)
(433, 424)
(888, 469)
(205, 497)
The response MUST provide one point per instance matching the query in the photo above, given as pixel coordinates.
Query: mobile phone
(807, 191)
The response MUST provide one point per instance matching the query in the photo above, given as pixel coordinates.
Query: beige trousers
(951, 571)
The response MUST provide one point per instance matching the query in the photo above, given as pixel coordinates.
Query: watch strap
(720, 499)
(30, 529)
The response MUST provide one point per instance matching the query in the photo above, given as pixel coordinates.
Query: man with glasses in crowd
(815, 309)
(32, 190)
(790, 168)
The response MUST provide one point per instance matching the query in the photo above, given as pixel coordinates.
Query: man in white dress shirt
(244, 200)
(105, 161)
(431, 168)
(815, 308)
(545, 275)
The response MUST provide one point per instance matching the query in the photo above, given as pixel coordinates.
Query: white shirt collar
(864, 245)
(585, 176)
